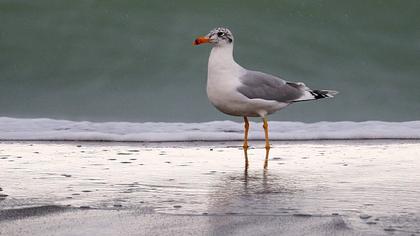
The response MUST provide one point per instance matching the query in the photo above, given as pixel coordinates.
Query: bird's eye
(220, 34)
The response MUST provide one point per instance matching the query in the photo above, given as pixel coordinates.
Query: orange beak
(201, 40)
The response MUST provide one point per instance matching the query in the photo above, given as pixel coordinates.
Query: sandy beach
(354, 187)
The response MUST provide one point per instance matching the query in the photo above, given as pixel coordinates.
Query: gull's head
(218, 37)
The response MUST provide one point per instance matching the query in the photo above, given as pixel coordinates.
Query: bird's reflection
(246, 180)
(246, 159)
(251, 179)
(251, 191)
(267, 155)
(248, 193)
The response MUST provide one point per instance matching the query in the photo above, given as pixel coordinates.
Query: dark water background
(133, 60)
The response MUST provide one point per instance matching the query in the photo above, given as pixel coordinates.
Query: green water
(133, 60)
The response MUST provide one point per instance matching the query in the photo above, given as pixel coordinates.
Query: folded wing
(256, 84)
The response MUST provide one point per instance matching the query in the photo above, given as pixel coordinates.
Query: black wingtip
(318, 94)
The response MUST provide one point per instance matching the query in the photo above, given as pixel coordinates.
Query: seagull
(237, 91)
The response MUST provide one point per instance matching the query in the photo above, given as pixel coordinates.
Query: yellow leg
(267, 143)
(246, 142)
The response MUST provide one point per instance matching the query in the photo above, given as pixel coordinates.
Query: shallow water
(133, 60)
(372, 184)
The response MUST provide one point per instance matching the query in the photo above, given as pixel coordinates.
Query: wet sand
(320, 188)
(102, 222)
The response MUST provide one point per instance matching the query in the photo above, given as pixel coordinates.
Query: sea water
(133, 60)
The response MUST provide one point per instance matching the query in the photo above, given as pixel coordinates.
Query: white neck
(221, 58)
(223, 73)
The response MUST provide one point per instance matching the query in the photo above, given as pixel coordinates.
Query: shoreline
(50, 129)
(208, 141)
(239, 141)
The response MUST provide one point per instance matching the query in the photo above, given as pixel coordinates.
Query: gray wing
(256, 84)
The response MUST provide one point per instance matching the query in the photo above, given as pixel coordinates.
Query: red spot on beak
(201, 40)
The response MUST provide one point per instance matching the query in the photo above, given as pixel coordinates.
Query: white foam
(63, 130)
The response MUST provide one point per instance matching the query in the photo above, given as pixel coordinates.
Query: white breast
(223, 81)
